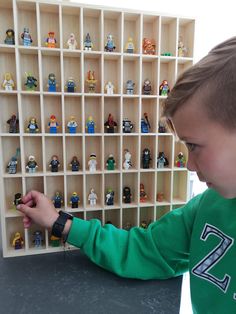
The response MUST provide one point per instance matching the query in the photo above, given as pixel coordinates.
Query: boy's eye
(190, 146)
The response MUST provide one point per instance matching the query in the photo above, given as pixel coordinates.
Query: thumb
(24, 209)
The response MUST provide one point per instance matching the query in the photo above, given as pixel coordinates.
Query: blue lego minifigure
(72, 125)
(90, 125)
(145, 125)
(26, 38)
(52, 84)
(52, 124)
(110, 46)
(75, 165)
(38, 238)
(57, 200)
(74, 200)
(70, 85)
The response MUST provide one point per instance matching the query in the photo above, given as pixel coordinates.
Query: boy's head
(201, 109)
(213, 81)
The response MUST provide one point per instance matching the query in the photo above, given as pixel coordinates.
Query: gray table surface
(69, 283)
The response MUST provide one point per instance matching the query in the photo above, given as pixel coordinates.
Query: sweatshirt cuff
(79, 232)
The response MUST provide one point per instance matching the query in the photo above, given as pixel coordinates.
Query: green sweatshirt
(198, 237)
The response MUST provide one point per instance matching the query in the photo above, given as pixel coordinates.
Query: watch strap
(59, 224)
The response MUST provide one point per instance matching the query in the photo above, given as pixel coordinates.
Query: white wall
(215, 19)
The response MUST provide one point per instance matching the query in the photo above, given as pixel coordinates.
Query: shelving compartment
(27, 19)
(148, 181)
(51, 64)
(30, 108)
(112, 25)
(131, 143)
(52, 107)
(112, 73)
(132, 28)
(150, 73)
(146, 216)
(93, 112)
(92, 63)
(149, 107)
(130, 180)
(33, 147)
(49, 22)
(167, 72)
(148, 152)
(10, 147)
(93, 145)
(112, 146)
(53, 147)
(94, 182)
(74, 185)
(73, 108)
(131, 71)
(151, 30)
(8, 65)
(72, 70)
(168, 36)
(186, 31)
(112, 105)
(8, 107)
(74, 147)
(131, 112)
(129, 217)
(92, 25)
(163, 188)
(29, 66)
(71, 18)
(12, 186)
(14, 225)
(6, 19)
(112, 181)
(179, 187)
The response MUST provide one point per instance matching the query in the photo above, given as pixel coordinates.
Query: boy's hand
(39, 209)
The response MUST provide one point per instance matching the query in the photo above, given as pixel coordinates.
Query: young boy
(199, 236)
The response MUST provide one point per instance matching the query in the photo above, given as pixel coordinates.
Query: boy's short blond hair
(213, 81)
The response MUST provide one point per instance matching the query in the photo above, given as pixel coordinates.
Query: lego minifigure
(110, 46)
(70, 85)
(180, 160)
(92, 163)
(109, 197)
(17, 199)
(144, 224)
(91, 82)
(13, 124)
(10, 37)
(8, 83)
(88, 45)
(160, 197)
(92, 198)
(30, 82)
(127, 162)
(74, 164)
(129, 47)
(110, 163)
(161, 127)
(109, 88)
(32, 126)
(52, 124)
(162, 161)
(182, 50)
(52, 84)
(31, 164)
(128, 226)
(90, 125)
(71, 42)
(50, 41)
(127, 126)
(127, 195)
(72, 125)
(37, 238)
(145, 125)
(57, 200)
(164, 88)
(12, 165)
(54, 241)
(146, 158)
(149, 47)
(110, 124)
(17, 241)
(74, 200)
(26, 37)
(142, 194)
(54, 163)
(130, 87)
(147, 87)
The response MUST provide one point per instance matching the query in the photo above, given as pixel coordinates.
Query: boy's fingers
(23, 208)
(31, 196)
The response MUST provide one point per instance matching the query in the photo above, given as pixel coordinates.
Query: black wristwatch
(59, 224)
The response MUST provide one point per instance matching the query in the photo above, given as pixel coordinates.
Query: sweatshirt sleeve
(161, 251)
